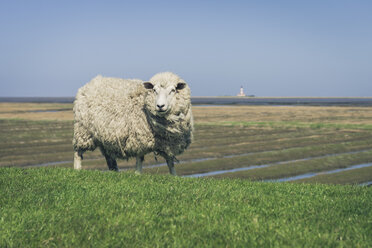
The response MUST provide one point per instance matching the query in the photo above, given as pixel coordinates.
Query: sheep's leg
(78, 156)
(139, 161)
(170, 163)
(111, 163)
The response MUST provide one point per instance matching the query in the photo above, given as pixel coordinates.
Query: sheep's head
(167, 93)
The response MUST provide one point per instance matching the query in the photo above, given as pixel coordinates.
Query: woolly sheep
(127, 118)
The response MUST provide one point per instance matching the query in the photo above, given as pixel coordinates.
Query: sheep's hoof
(137, 172)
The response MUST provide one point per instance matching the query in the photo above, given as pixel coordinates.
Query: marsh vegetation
(273, 142)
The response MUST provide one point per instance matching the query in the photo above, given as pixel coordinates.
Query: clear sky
(271, 48)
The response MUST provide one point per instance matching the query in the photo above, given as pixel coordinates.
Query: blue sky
(272, 48)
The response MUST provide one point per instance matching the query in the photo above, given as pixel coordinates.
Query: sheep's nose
(160, 106)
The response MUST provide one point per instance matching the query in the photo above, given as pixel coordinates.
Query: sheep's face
(164, 90)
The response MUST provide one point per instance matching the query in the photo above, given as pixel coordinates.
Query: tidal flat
(293, 140)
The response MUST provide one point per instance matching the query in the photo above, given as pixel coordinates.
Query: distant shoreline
(229, 100)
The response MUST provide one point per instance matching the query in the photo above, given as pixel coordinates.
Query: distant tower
(241, 93)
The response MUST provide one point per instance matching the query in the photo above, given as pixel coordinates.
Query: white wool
(121, 117)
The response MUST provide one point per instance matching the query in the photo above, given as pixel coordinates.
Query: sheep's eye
(172, 91)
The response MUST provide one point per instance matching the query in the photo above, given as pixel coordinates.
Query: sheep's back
(111, 109)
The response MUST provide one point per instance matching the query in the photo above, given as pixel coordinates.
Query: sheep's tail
(122, 148)
(155, 156)
(176, 160)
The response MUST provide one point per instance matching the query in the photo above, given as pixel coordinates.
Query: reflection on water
(50, 164)
(213, 173)
(366, 183)
(218, 172)
(308, 175)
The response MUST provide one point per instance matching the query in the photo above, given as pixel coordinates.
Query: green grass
(65, 208)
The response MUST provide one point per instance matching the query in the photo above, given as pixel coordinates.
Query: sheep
(128, 118)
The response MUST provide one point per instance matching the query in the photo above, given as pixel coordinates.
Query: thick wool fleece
(119, 116)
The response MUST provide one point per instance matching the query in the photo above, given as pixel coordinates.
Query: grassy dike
(52, 207)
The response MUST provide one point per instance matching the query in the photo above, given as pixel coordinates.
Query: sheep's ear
(180, 86)
(148, 85)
